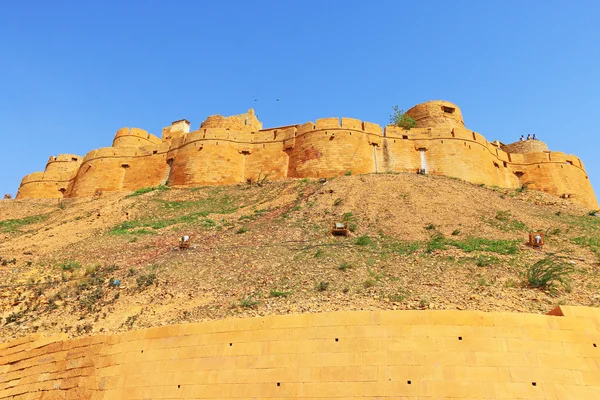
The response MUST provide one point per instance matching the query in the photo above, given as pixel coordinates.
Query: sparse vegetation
(368, 283)
(505, 222)
(69, 265)
(248, 302)
(14, 225)
(484, 261)
(548, 271)
(278, 293)
(148, 190)
(322, 286)
(470, 244)
(344, 266)
(145, 280)
(364, 240)
(351, 220)
(402, 248)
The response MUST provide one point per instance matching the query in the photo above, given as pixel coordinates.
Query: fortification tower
(56, 180)
(436, 114)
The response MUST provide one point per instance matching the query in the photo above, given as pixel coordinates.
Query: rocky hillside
(111, 263)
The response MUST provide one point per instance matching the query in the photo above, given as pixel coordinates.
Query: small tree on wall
(398, 118)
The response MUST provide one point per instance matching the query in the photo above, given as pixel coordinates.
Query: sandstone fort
(229, 150)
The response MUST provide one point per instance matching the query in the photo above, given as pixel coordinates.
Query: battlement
(134, 137)
(233, 149)
(64, 163)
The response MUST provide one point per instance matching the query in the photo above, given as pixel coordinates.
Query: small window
(404, 137)
(505, 164)
(448, 110)
(569, 162)
(74, 159)
(154, 151)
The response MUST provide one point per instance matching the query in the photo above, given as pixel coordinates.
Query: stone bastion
(237, 149)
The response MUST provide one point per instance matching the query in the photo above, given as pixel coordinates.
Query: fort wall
(333, 147)
(229, 150)
(351, 355)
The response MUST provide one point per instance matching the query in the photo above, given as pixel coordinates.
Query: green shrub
(399, 118)
(348, 173)
(344, 266)
(89, 301)
(547, 271)
(322, 286)
(69, 265)
(397, 298)
(277, 293)
(243, 229)
(436, 242)
(364, 240)
(14, 317)
(456, 232)
(145, 280)
(248, 302)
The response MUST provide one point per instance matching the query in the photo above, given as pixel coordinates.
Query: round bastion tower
(436, 114)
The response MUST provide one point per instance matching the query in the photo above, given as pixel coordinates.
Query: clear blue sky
(72, 73)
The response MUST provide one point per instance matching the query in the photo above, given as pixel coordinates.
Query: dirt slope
(417, 242)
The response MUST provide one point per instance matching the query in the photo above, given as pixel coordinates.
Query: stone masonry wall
(343, 355)
(229, 150)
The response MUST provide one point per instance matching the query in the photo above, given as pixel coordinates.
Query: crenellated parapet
(134, 137)
(234, 149)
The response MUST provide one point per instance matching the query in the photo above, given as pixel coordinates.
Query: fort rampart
(343, 355)
(228, 150)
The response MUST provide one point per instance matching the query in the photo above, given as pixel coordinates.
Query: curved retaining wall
(349, 355)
